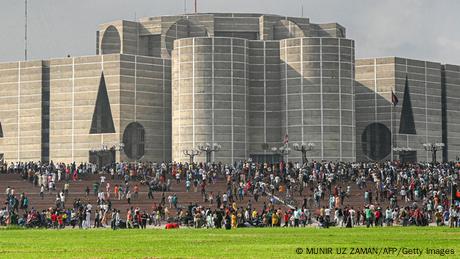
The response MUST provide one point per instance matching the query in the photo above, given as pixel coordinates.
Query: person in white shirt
(389, 216)
(42, 190)
(296, 215)
(170, 201)
(453, 216)
(327, 214)
(352, 216)
(62, 198)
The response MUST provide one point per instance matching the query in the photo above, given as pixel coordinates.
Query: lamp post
(191, 153)
(433, 147)
(208, 148)
(283, 150)
(304, 148)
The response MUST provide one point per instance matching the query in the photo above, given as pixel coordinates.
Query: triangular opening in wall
(102, 117)
(406, 123)
(1, 130)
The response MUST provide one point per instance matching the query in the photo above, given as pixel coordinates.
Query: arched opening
(111, 42)
(133, 140)
(376, 141)
(183, 29)
(285, 29)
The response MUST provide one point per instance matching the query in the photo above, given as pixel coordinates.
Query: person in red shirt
(286, 218)
(54, 220)
(60, 221)
(378, 216)
(138, 219)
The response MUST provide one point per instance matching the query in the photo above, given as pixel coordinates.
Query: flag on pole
(394, 98)
(286, 139)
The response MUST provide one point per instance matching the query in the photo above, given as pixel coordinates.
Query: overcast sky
(420, 29)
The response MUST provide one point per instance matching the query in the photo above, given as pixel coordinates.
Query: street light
(191, 153)
(304, 148)
(208, 148)
(283, 150)
(116, 147)
(433, 147)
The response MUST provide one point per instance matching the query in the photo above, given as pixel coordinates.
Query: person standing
(368, 215)
(389, 216)
(174, 201)
(66, 188)
(128, 197)
(150, 194)
(129, 219)
(42, 191)
(452, 216)
(97, 219)
(87, 222)
(115, 219)
(234, 221)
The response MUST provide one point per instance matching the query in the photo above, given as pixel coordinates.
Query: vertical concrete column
(209, 97)
(317, 96)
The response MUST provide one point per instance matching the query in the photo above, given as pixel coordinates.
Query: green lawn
(240, 243)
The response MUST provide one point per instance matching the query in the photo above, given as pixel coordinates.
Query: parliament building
(254, 85)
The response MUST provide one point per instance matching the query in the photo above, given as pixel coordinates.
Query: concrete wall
(145, 97)
(20, 110)
(317, 81)
(138, 91)
(239, 80)
(376, 78)
(264, 96)
(74, 83)
(141, 37)
(452, 111)
(209, 96)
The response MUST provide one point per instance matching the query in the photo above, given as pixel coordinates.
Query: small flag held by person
(394, 98)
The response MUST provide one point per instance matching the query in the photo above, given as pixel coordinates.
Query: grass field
(212, 243)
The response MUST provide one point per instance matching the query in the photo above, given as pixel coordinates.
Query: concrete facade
(248, 82)
(317, 100)
(264, 100)
(451, 111)
(21, 85)
(375, 80)
(209, 96)
(227, 86)
(138, 89)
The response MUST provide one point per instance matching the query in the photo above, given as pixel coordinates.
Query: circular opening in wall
(133, 139)
(376, 141)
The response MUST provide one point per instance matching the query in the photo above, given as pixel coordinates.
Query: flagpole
(391, 126)
(394, 102)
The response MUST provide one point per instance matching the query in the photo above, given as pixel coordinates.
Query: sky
(419, 29)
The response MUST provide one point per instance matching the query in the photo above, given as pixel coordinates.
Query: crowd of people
(323, 194)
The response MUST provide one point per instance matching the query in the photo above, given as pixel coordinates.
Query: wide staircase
(77, 191)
